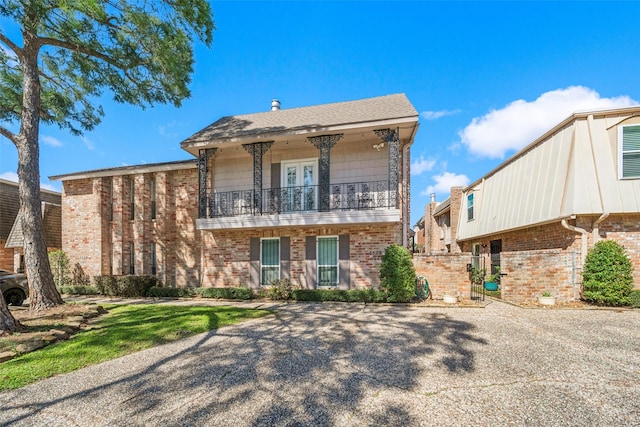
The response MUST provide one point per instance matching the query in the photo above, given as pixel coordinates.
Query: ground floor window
(154, 261)
(132, 259)
(269, 261)
(327, 261)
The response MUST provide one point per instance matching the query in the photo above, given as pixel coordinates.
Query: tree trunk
(7, 322)
(42, 291)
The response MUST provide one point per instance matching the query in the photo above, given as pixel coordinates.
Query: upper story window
(132, 198)
(153, 198)
(629, 165)
(470, 207)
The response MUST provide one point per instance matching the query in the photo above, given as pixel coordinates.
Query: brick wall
(446, 273)
(225, 254)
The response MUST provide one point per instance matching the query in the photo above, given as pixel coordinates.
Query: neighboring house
(11, 241)
(312, 194)
(536, 215)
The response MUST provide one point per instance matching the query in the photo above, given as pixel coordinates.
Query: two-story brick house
(312, 194)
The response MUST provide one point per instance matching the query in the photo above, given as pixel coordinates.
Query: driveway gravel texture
(363, 365)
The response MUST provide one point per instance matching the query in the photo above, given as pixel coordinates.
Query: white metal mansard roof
(570, 170)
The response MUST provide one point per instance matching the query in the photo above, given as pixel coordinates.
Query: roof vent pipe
(275, 105)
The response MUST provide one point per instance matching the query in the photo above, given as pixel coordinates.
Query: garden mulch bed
(40, 329)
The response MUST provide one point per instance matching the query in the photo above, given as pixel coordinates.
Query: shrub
(281, 289)
(634, 298)
(59, 262)
(225, 293)
(354, 295)
(608, 275)
(79, 277)
(78, 290)
(397, 274)
(125, 286)
(159, 292)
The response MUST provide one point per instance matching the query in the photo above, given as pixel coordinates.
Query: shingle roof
(319, 116)
(128, 170)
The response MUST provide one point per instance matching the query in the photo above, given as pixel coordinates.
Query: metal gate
(476, 276)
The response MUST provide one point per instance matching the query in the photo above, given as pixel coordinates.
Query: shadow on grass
(310, 364)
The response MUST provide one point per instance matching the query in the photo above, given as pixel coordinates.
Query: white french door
(300, 185)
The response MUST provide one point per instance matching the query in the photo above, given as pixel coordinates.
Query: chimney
(275, 105)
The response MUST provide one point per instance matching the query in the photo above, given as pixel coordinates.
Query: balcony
(356, 202)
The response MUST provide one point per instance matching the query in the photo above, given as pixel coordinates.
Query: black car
(14, 287)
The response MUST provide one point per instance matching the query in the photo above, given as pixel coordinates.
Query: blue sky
(486, 77)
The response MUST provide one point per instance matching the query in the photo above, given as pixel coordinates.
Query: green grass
(125, 329)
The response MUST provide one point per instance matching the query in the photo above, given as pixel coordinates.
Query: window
(132, 198)
(327, 261)
(132, 259)
(475, 256)
(154, 264)
(299, 181)
(269, 261)
(630, 152)
(153, 198)
(111, 200)
(470, 207)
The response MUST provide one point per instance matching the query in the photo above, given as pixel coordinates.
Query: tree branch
(8, 134)
(11, 45)
(80, 49)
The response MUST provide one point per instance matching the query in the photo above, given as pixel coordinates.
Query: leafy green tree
(608, 275)
(397, 274)
(58, 61)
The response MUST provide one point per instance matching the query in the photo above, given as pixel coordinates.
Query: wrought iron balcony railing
(347, 196)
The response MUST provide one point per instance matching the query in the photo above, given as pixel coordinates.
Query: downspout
(584, 239)
(596, 227)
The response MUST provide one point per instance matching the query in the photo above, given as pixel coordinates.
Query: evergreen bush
(608, 275)
(397, 275)
(225, 293)
(59, 262)
(125, 286)
(281, 289)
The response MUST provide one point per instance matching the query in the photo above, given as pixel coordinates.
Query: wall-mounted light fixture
(378, 146)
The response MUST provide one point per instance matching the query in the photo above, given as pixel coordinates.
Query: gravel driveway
(356, 365)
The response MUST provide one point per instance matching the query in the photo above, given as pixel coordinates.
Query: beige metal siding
(573, 172)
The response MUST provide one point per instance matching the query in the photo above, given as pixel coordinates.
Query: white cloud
(88, 143)
(9, 176)
(172, 129)
(421, 165)
(51, 141)
(520, 123)
(434, 115)
(444, 182)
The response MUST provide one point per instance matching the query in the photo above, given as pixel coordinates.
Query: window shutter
(275, 184)
(254, 262)
(631, 152)
(344, 265)
(285, 258)
(310, 261)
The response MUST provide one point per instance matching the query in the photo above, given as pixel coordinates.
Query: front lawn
(124, 330)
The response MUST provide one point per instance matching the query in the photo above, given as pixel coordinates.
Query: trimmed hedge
(78, 290)
(225, 293)
(159, 292)
(339, 295)
(634, 297)
(607, 275)
(219, 293)
(125, 286)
